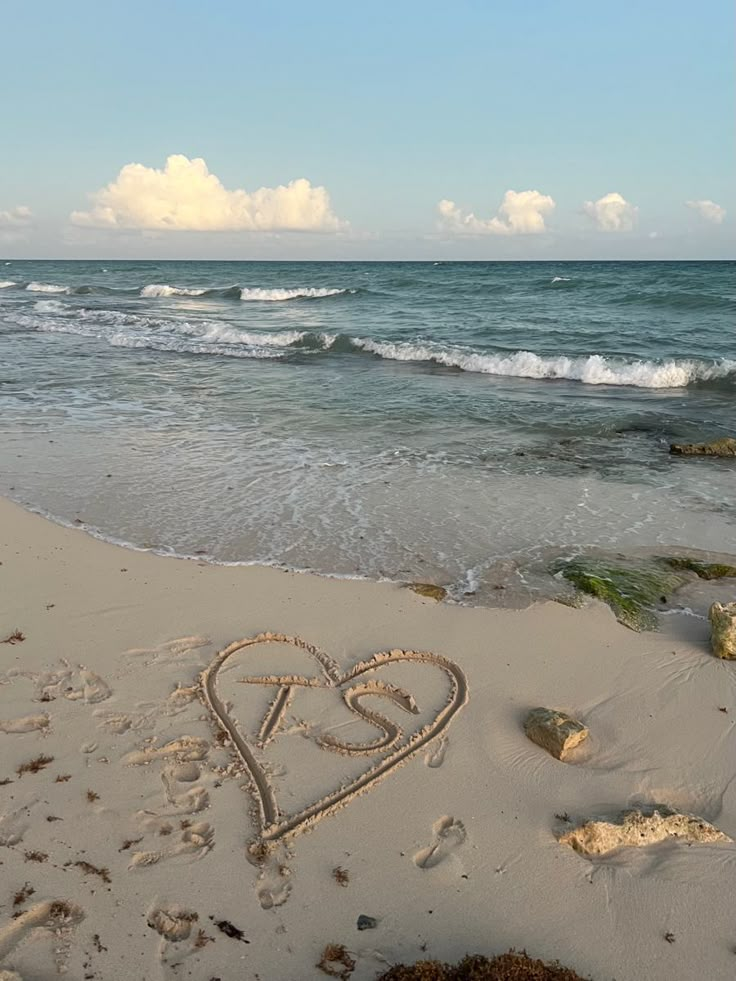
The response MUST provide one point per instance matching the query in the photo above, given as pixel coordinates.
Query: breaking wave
(46, 288)
(593, 369)
(213, 337)
(274, 295)
(161, 289)
(260, 294)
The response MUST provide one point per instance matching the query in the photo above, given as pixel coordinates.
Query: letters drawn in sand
(392, 747)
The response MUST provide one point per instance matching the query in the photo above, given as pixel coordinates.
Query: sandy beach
(212, 772)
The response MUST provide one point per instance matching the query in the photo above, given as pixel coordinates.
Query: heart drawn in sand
(392, 748)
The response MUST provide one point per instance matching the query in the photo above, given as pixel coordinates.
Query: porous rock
(638, 828)
(722, 618)
(554, 731)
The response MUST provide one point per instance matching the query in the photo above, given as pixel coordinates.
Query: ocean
(460, 423)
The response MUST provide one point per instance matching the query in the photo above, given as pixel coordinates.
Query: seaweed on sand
(512, 966)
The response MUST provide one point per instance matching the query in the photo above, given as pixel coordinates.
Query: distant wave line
(258, 294)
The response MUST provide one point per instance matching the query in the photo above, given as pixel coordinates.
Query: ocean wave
(46, 288)
(593, 369)
(260, 294)
(255, 293)
(561, 279)
(162, 289)
(124, 329)
(177, 346)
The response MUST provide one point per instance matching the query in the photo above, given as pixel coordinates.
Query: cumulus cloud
(520, 213)
(185, 196)
(612, 213)
(708, 210)
(17, 217)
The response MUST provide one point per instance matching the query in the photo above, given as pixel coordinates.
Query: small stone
(719, 447)
(554, 731)
(722, 618)
(367, 922)
(639, 828)
(429, 590)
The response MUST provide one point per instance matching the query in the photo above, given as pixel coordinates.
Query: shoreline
(538, 581)
(141, 820)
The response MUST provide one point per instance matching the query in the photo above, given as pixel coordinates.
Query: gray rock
(367, 922)
(554, 731)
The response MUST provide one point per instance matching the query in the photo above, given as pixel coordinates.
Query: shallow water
(459, 422)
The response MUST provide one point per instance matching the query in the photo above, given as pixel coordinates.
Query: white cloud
(612, 213)
(185, 196)
(17, 217)
(708, 210)
(520, 213)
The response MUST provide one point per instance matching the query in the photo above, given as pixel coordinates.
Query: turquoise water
(453, 421)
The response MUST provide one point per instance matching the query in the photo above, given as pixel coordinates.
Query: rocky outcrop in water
(725, 447)
(554, 731)
(722, 618)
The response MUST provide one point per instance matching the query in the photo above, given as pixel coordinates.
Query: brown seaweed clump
(511, 966)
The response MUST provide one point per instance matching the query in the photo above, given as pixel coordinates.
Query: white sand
(451, 845)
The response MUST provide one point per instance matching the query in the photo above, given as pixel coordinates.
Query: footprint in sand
(184, 749)
(274, 884)
(13, 825)
(120, 722)
(190, 801)
(56, 916)
(196, 840)
(435, 755)
(174, 923)
(448, 834)
(182, 645)
(28, 723)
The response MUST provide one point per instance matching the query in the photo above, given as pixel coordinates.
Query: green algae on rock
(630, 589)
(703, 570)
(429, 590)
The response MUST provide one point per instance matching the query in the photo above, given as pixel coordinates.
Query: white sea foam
(46, 288)
(181, 346)
(49, 306)
(561, 279)
(591, 369)
(215, 333)
(5, 283)
(255, 293)
(162, 289)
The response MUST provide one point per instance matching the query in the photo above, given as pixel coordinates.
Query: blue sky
(390, 107)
